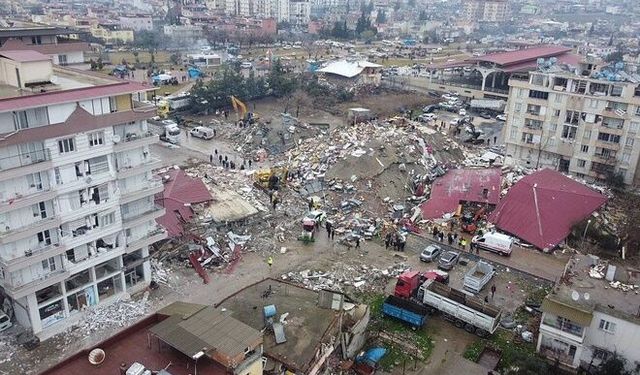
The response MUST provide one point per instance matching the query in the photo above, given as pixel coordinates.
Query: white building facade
(77, 212)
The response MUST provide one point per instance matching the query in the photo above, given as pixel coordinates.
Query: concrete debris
(119, 313)
(344, 276)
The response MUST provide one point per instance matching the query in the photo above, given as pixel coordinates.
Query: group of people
(226, 163)
(396, 240)
(452, 238)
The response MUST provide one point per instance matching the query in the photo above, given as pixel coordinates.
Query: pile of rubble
(341, 277)
(117, 314)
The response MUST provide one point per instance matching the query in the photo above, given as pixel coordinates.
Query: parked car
(501, 118)
(426, 117)
(430, 253)
(246, 65)
(485, 115)
(462, 112)
(429, 108)
(448, 260)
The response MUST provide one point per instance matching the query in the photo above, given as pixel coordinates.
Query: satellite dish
(575, 295)
(586, 296)
(88, 180)
(116, 139)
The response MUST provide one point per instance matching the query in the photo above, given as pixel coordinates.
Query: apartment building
(59, 43)
(584, 125)
(77, 213)
(587, 319)
(486, 10)
(299, 12)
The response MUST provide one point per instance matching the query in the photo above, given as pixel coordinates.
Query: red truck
(409, 282)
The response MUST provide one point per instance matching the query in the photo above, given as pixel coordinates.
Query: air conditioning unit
(28, 253)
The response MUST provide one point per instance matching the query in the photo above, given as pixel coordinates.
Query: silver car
(430, 253)
(448, 260)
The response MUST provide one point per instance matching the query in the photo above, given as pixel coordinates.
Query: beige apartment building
(587, 127)
(486, 10)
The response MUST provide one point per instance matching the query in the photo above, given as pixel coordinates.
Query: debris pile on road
(342, 276)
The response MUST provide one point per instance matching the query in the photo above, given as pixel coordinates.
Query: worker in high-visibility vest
(270, 262)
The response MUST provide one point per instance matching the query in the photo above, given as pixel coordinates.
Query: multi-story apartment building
(486, 10)
(59, 43)
(574, 123)
(299, 12)
(77, 213)
(586, 320)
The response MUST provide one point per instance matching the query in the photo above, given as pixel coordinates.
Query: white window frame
(96, 138)
(66, 145)
(629, 142)
(49, 264)
(607, 326)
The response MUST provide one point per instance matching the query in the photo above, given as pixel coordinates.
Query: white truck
(460, 308)
(478, 276)
(493, 241)
(490, 104)
(171, 132)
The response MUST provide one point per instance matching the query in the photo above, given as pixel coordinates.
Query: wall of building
(622, 341)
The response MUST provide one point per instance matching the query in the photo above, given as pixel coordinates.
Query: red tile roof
(462, 185)
(180, 192)
(519, 56)
(72, 95)
(565, 58)
(24, 56)
(78, 122)
(542, 207)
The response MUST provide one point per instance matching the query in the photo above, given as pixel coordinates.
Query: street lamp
(584, 234)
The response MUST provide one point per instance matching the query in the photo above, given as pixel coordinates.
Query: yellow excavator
(271, 178)
(242, 111)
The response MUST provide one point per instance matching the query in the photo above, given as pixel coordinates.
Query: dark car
(485, 115)
(448, 260)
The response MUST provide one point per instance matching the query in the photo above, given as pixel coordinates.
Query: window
(593, 103)
(630, 141)
(107, 219)
(44, 238)
(39, 210)
(626, 156)
(30, 118)
(66, 145)
(520, 93)
(96, 139)
(582, 163)
(572, 117)
(601, 354)
(34, 180)
(587, 135)
(569, 132)
(556, 113)
(514, 133)
(535, 94)
(607, 326)
(517, 107)
(606, 137)
(56, 171)
(49, 264)
(584, 149)
(527, 138)
(616, 90)
(112, 104)
(553, 127)
(36, 40)
(558, 98)
(634, 126)
(622, 172)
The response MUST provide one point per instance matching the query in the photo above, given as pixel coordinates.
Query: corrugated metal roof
(542, 207)
(462, 185)
(209, 329)
(24, 56)
(183, 309)
(348, 69)
(519, 56)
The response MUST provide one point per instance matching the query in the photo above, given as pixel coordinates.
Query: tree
(364, 24)
(615, 365)
(381, 17)
(175, 58)
(526, 364)
(281, 83)
(284, 25)
(613, 57)
(148, 40)
(136, 55)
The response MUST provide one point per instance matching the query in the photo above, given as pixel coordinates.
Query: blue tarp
(194, 73)
(372, 356)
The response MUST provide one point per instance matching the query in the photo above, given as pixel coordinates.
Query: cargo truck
(460, 308)
(405, 310)
(408, 282)
(478, 276)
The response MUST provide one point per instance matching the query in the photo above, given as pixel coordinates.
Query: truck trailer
(405, 310)
(460, 308)
(478, 276)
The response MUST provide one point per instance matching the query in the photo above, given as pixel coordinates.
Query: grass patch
(397, 354)
(513, 352)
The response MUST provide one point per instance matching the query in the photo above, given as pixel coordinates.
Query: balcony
(88, 235)
(151, 187)
(152, 237)
(135, 140)
(136, 218)
(142, 107)
(33, 256)
(85, 181)
(149, 165)
(554, 353)
(559, 325)
(93, 260)
(609, 145)
(605, 159)
(614, 112)
(19, 291)
(22, 164)
(88, 208)
(13, 234)
(20, 201)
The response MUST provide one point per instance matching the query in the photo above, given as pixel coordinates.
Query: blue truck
(405, 310)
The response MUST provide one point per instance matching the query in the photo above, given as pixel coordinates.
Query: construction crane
(242, 111)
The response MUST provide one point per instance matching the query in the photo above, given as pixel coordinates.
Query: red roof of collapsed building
(522, 55)
(469, 185)
(180, 191)
(542, 207)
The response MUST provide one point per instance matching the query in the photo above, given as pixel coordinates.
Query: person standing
(358, 243)
(493, 291)
(333, 233)
(211, 159)
(270, 263)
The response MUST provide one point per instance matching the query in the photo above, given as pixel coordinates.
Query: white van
(493, 241)
(202, 132)
(5, 322)
(246, 65)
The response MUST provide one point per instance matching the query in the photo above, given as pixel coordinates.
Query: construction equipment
(271, 178)
(469, 222)
(242, 111)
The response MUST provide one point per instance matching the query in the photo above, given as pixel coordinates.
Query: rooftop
(307, 324)
(578, 289)
(348, 69)
(520, 56)
(134, 345)
(468, 185)
(24, 56)
(66, 85)
(16, 32)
